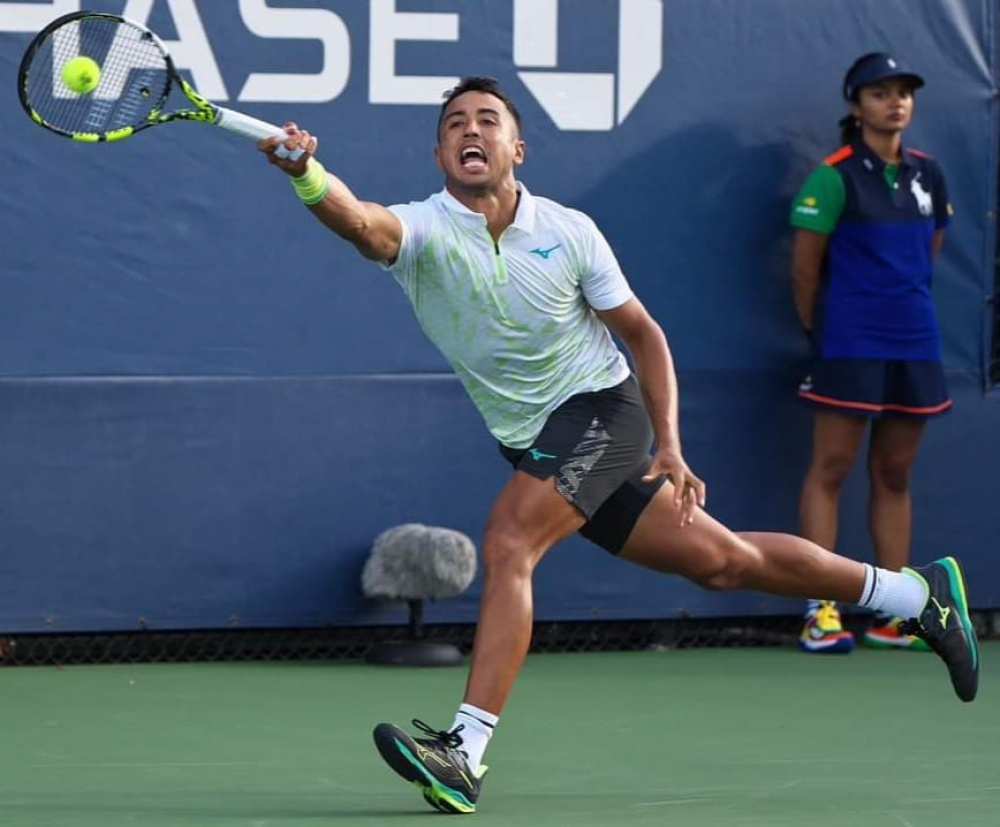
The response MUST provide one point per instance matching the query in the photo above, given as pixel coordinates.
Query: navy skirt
(877, 387)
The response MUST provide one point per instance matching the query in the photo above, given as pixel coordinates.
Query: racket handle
(254, 128)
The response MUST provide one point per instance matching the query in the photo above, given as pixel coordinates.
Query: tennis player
(521, 295)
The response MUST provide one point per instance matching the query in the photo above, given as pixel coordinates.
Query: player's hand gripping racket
(125, 92)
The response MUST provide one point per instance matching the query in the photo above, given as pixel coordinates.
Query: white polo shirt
(514, 319)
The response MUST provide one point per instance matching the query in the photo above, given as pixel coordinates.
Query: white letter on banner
(191, 50)
(640, 51)
(536, 33)
(586, 100)
(389, 26)
(302, 24)
(574, 100)
(33, 17)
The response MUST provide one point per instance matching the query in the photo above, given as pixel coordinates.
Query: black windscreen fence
(354, 643)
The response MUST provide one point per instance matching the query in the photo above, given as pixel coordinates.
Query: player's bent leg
(529, 516)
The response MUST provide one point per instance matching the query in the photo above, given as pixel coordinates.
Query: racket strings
(134, 79)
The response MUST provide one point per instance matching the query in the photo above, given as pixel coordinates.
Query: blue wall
(209, 405)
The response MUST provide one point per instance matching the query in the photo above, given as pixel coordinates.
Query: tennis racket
(137, 76)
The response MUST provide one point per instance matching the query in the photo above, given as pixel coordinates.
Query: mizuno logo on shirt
(538, 251)
(537, 455)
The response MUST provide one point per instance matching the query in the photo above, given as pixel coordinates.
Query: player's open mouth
(473, 158)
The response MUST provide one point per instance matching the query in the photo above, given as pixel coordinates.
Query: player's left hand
(689, 491)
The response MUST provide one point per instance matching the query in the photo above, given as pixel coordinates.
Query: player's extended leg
(836, 439)
(891, 452)
(527, 519)
(932, 598)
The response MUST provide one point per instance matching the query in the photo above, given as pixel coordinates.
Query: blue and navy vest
(876, 299)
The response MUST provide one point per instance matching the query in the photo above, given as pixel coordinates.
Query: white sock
(477, 729)
(893, 592)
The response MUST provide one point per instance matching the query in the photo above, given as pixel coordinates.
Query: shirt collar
(524, 218)
(873, 163)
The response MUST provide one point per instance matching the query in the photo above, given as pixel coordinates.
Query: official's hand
(297, 139)
(811, 340)
(689, 491)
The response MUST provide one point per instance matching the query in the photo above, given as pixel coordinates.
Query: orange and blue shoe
(944, 624)
(823, 631)
(885, 633)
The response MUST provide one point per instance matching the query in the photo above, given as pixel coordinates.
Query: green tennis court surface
(696, 737)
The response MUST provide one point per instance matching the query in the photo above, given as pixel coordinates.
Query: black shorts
(596, 445)
(878, 387)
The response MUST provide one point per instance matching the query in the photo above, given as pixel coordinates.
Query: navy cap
(874, 68)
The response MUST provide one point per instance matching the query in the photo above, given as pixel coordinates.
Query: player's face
(885, 106)
(478, 143)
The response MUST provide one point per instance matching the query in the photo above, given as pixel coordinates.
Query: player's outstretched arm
(375, 231)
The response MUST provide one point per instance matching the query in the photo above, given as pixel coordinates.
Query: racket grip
(256, 129)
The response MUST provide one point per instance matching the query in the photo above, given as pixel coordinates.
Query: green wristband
(311, 188)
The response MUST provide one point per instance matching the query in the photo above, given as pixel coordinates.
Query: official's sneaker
(823, 632)
(885, 633)
(946, 626)
(434, 764)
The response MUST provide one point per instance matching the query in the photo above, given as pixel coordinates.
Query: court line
(697, 800)
(147, 764)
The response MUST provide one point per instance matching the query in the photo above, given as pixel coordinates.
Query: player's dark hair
(479, 83)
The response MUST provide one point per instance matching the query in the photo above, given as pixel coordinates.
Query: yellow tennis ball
(81, 74)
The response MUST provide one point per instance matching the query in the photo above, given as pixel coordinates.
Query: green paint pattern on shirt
(542, 346)
(516, 328)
